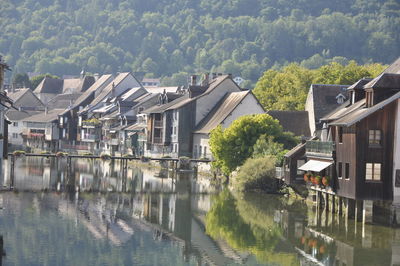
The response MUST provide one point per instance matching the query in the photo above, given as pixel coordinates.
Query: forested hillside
(165, 37)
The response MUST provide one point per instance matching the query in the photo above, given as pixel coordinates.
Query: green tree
(21, 80)
(233, 145)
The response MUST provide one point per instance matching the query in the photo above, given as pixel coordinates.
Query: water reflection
(284, 232)
(96, 213)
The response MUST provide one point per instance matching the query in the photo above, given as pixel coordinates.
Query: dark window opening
(340, 134)
(347, 171)
(340, 166)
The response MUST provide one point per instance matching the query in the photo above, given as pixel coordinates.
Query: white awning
(315, 166)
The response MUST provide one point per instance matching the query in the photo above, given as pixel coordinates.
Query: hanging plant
(326, 180)
(307, 177)
(317, 180)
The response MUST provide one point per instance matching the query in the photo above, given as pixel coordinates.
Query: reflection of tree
(248, 225)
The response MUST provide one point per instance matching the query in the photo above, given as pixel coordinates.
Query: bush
(19, 153)
(105, 156)
(257, 174)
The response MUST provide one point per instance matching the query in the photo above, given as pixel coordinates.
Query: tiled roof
(16, 95)
(50, 85)
(44, 117)
(221, 111)
(385, 81)
(14, 115)
(394, 68)
(293, 121)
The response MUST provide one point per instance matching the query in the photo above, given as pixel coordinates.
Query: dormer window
(369, 98)
(340, 98)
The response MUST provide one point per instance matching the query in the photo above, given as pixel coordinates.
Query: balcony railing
(320, 147)
(91, 124)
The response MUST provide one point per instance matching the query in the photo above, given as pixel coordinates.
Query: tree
(21, 80)
(232, 146)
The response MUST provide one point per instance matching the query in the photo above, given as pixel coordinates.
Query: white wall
(396, 154)
(207, 102)
(15, 130)
(310, 108)
(248, 106)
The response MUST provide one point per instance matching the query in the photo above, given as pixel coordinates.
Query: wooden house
(360, 147)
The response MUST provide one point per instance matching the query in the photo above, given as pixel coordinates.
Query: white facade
(207, 102)
(396, 155)
(248, 106)
(14, 133)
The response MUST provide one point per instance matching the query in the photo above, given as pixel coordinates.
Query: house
(361, 144)
(231, 106)
(170, 126)
(49, 87)
(150, 82)
(41, 130)
(5, 104)
(89, 125)
(321, 100)
(27, 104)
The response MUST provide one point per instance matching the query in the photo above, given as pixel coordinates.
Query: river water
(93, 215)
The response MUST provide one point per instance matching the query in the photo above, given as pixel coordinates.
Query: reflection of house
(5, 103)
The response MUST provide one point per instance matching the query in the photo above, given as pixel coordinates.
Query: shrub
(257, 173)
(61, 154)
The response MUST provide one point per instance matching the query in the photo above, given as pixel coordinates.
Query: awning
(315, 166)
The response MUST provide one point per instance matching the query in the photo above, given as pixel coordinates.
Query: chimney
(112, 89)
(46, 109)
(193, 80)
(214, 75)
(96, 76)
(206, 79)
(230, 75)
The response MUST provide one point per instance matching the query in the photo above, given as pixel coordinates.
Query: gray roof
(324, 98)
(394, 68)
(299, 148)
(44, 117)
(62, 101)
(221, 111)
(186, 99)
(107, 90)
(14, 115)
(57, 86)
(384, 81)
(343, 110)
(16, 95)
(50, 85)
(359, 84)
(90, 91)
(293, 121)
(361, 112)
(162, 89)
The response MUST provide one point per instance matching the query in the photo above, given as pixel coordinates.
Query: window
(347, 171)
(195, 151)
(340, 134)
(340, 168)
(374, 137)
(174, 131)
(373, 172)
(15, 124)
(15, 135)
(205, 151)
(200, 151)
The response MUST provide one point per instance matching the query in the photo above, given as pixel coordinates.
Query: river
(93, 215)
